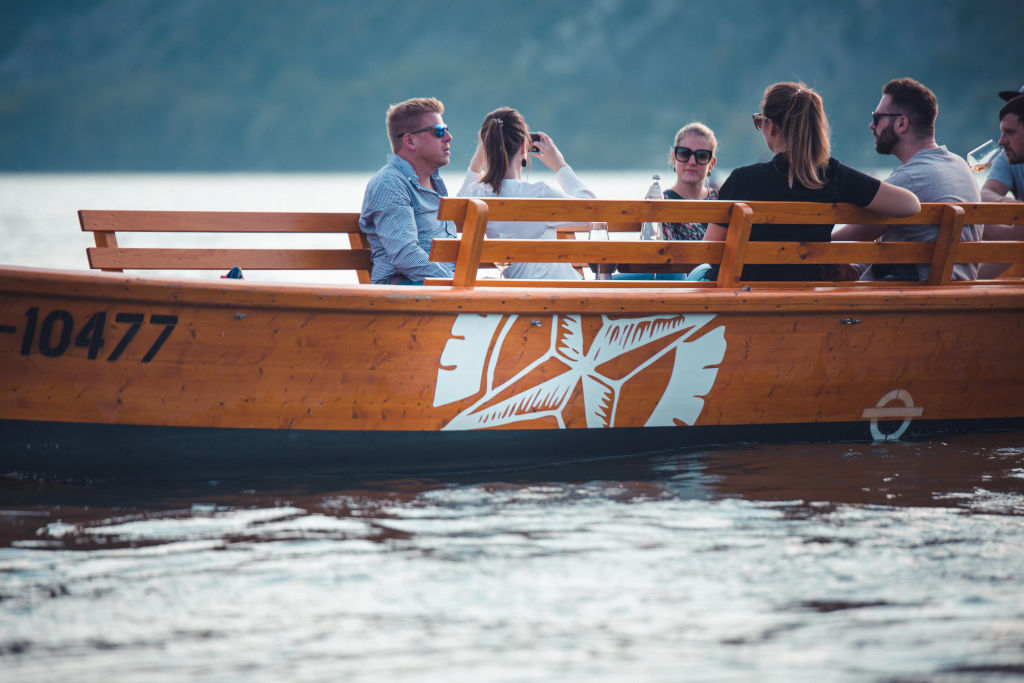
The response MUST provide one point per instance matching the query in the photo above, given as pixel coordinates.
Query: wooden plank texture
(218, 221)
(216, 259)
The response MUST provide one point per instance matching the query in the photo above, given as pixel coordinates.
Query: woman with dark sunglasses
(692, 156)
(793, 123)
(502, 152)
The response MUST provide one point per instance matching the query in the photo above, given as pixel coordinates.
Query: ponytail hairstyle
(503, 132)
(800, 115)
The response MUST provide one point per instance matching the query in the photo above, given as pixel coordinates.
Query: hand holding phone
(534, 137)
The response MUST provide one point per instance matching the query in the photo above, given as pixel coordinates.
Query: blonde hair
(800, 115)
(405, 116)
(699, 129)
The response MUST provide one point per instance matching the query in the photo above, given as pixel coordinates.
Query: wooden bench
(471, 215)
(107, 255)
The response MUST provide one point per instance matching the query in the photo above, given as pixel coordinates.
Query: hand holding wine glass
(982, 156)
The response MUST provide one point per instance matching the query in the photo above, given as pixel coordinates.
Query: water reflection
(805, 562)
(977, 472)
(957, 472)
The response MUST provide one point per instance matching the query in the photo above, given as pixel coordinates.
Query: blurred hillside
(302, 85)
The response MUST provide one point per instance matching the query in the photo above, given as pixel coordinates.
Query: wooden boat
(108, 375)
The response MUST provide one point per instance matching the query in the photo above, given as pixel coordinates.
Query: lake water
(837, 562)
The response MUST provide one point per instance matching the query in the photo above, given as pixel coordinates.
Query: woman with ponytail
(502, 152)
(793, 123)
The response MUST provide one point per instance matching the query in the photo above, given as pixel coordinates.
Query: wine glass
(599, 231)
(982, 156)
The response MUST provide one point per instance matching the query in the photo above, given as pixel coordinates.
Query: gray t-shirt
(935, 175)
(1011, 175)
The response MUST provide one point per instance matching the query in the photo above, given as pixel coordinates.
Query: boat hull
(89, 452)
(105, 375)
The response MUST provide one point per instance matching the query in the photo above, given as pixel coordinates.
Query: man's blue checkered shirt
(399, 218)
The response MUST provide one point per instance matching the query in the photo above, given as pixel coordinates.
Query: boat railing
(109, 256)
(471, 251)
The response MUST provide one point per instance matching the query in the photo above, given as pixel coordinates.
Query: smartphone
(535, 137)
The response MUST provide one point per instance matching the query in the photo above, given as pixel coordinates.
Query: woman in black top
(793, 123)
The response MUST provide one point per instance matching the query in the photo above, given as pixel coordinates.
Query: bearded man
(903, 125)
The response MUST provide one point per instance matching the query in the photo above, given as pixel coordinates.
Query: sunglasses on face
(701, 156)
(759, 120)
(878, 116)
(439, 130)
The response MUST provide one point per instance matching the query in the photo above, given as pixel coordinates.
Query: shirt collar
(402, 166)
(406, 169)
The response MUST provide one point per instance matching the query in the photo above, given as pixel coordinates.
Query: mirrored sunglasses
(439, 130)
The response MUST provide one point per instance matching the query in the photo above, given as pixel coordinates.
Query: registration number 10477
(53, 333)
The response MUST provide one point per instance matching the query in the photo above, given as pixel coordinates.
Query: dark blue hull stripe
(136, 453)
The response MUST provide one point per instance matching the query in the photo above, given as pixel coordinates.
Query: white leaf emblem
(596, 372)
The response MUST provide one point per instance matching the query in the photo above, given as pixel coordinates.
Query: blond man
(399, 214)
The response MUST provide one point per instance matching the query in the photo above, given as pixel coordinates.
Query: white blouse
(510, 187)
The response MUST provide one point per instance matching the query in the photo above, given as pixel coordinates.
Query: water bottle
(651, 230)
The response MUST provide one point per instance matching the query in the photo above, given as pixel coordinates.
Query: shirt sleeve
(732, 189)
(902, 178)
(394, 219)
(1001, 170)
(856, 187)
(470, 186)
(572, 185)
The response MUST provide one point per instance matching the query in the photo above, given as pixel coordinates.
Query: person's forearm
(858, 232)
(990, 196)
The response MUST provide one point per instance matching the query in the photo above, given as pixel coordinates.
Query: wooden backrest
(736, 251)
(107, 255)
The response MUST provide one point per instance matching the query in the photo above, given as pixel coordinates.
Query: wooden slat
(583, 251)
(1009, 213)
(680, 211)
(473, 228)
(218, 221)
(838, 252)
(736, 239)
(946, 243)
(685, 284)
(357, 240)
(991, 252)
(1015, 271)
(682, 252)
(599, 284)
(215, 259)
(569, 232)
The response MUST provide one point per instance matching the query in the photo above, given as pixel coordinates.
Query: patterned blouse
(685, 231)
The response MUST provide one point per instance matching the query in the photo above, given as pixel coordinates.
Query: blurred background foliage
(302, 85)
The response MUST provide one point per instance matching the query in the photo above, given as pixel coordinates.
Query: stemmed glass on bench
(599, 231)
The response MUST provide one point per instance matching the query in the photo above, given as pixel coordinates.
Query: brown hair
(1014, 106)
(502, 132)
(800, 115)
(405, 116)
(914, 101)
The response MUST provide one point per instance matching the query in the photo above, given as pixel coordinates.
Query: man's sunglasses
(759, 120)
(878, 116)
(702, 156)
(439, 130)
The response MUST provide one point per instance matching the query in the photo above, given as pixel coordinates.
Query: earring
(524, 163)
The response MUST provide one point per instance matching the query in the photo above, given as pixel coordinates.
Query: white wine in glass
(982, 156)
